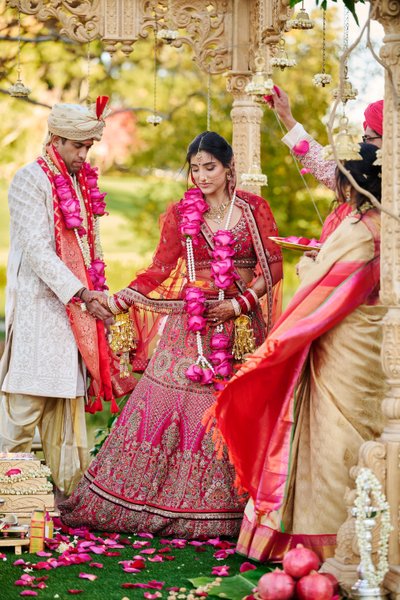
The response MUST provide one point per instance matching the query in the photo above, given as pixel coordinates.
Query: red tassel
(101, 103)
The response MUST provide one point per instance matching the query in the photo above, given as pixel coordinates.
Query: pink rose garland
(71, 211)
(218, 366)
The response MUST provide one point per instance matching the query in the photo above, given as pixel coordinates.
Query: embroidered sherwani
(41, 358)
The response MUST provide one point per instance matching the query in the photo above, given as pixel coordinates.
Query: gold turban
(76, 122)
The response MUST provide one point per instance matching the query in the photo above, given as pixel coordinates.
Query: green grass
(188, 563)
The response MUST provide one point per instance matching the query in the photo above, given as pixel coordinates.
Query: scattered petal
(150, 536)
(150, 596)
(75, 592)
(246, 566)
(89, 576)
(222, 571)
(28, 593)
(42, 553)
(148, 551)
(304, 171)
(96, 564)
(302, 147)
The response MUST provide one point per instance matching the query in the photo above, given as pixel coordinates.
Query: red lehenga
(158, 469)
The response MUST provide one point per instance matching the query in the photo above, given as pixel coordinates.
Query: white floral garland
(41, 471)
(369, 487)
(45, 488)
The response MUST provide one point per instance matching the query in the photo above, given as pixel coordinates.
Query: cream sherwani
(41, 361)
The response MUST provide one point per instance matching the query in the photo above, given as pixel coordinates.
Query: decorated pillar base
(392, 582)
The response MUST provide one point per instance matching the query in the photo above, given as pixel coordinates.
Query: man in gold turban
(56, 357)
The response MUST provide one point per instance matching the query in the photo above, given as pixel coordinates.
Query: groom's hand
(96, 304)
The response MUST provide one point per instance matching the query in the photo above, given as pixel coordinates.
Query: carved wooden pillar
(388, 13)
(246, 124)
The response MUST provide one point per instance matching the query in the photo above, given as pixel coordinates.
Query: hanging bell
(19, 90)
(260, 84)
(346, 92)
(254, 176)
(345, 148)
(301, 21)
(154, 119)
(167, 35)
(281, 60)
(322, 79)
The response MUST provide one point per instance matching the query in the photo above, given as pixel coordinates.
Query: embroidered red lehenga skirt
(158, 470)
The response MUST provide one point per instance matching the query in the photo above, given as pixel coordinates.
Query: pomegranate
(333, 580)
(300, 561)
(314, 586)
(276, 586)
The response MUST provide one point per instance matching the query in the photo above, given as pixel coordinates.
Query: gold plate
(284, 243)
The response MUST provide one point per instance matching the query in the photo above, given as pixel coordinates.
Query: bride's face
(208, 173)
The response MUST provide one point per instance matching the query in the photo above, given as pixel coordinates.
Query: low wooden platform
(14, 542)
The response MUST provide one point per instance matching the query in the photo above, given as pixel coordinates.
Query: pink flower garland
(218, 366)
(71, 211)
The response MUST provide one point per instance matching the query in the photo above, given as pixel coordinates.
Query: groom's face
(72, 152)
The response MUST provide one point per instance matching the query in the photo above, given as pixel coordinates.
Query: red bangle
(244, 304)
(250, 297)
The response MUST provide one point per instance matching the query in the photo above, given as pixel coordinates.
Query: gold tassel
(244, 337)
(122, 341)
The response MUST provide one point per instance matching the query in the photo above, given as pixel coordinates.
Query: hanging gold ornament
(244, 342)
(281, 60)
(167, 34)
(322, 79)
(254, 176)
(122, 341)
(155, 119)
(346, 91)
(260, 84)
(302, 20)
(18, 89)
(345, 148)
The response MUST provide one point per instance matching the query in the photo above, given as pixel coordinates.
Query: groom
(55, 336)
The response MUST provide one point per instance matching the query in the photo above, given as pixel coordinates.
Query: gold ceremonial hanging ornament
(155, 119)
(345, 148)
(260, 84)
(281, 60)
(254, 177)
(322, 79)
(122, 341)
(302, 20)
(346, 91)
(18, 89)
(244, 342)
(167, 34)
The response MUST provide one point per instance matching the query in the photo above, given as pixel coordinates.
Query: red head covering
(374, 116)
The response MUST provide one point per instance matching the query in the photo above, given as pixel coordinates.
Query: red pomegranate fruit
(314, 586)
(276, 586)
(333, 580)
(300, 561)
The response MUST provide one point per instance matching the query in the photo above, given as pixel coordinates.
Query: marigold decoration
(122, 341)
(218, 365)
(367, 515)
(345, 148)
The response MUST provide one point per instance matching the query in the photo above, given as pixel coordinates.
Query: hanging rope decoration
(155, 119)
(322, 79)
(18, 89)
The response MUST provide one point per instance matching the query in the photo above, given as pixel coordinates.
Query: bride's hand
(219, 313)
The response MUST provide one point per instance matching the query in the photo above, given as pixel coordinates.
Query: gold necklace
(217, 213)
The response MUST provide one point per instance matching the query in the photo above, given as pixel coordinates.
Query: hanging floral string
(218, 365)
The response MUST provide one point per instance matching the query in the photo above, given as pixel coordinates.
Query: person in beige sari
(313, 390)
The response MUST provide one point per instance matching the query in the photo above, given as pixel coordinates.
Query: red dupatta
(255, 412)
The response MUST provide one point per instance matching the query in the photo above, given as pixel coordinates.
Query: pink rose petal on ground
(97, 565)
(89, 576)
(75, 591)
(222, 571)
(139, 544)
(148, 551)
(169, 557)
(150, 596)
(178, 543)
(302, 147)
(112, 553)
(97, 549)
(28, 593)
(246, 566)
(42, 553)
(150, 536)
(156, 558)
(18, 562)
(221, 554)
(304, 171)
